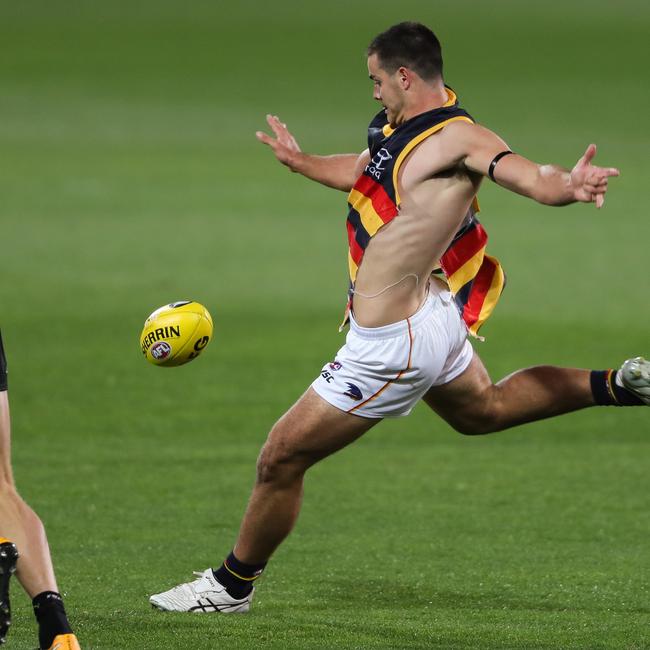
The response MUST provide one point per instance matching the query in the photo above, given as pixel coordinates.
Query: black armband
(494, 162)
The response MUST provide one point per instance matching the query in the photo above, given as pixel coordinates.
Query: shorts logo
(335, 365)
(353, 391)
(161, 350)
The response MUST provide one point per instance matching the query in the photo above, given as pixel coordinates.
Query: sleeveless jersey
(475, 279)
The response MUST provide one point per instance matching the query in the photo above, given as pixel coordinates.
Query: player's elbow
(344, 187)
(343, 182)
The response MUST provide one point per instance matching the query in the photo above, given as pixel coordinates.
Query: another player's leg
(311, 430)
(8, 559)
(473, 404)
(20, 524)
(633, 376)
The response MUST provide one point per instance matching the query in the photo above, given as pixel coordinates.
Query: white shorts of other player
(383, 371)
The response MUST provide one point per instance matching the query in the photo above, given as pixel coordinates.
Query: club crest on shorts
(353, 391)
(335, 365)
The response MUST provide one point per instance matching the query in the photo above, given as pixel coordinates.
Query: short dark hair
(411, 45)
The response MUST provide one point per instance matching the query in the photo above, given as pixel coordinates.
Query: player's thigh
(313, 429)
(5, 441)
(464, 398)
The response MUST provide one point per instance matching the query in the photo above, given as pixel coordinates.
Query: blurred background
(130, 177)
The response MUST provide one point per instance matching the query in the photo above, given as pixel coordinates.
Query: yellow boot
(65, 642)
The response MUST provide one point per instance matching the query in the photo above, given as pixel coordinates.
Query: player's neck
(429, 99)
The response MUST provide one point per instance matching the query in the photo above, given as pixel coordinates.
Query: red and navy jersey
(475, 279)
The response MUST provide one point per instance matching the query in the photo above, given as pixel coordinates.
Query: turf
(130, 177)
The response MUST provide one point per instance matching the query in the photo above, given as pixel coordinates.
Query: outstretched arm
(547, 184)
(339, 171)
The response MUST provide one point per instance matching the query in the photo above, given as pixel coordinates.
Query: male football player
(412, 213)
(24, 548)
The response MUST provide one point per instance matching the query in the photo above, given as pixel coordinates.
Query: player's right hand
(284, 145)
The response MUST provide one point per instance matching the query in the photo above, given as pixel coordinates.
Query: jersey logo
(378, 163)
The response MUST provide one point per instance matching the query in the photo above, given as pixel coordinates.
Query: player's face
(386, 89)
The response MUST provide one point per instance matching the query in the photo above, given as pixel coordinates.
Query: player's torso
(434, 199)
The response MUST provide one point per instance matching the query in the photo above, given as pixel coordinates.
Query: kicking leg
(472, 404)
(311, 430)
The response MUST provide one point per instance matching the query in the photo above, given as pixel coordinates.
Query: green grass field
(130, 177)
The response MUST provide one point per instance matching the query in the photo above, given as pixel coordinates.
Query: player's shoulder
(460, 128)
(449, 147)
(453, 136)
(464, 136)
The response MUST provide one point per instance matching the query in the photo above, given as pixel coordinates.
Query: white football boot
(634, 375)
(204, 595)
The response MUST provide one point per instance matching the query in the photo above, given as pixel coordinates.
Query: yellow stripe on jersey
(352, 267)
(466, 272)
(371, 221)
(492, 296)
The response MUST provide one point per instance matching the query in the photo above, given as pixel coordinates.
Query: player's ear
(404, 76)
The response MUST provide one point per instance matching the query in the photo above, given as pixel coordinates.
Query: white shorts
(383, 371)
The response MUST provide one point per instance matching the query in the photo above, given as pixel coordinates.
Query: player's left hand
(589, 183)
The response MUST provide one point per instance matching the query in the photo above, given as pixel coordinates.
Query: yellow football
(176, 333)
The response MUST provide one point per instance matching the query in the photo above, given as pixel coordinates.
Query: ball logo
(160, 350)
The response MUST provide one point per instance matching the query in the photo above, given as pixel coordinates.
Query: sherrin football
(176, 333)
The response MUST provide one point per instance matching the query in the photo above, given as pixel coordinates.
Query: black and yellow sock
(607, 392)
(238, 577)
(51, 617)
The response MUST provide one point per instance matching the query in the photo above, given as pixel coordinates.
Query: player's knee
(485, 414)
(278, 463)
(475, 427)
(274, 465)
(477, 423)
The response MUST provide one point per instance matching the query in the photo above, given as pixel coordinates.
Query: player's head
(404, 63)
(409, 45)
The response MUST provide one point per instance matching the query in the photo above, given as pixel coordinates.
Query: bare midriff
(393, 279)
